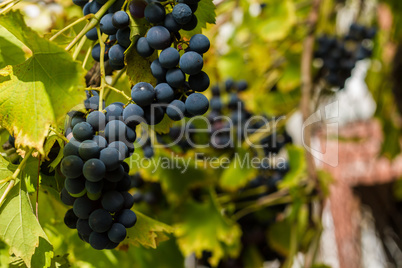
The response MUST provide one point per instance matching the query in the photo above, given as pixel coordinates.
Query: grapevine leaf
(167, 253)
(205, 14)
(202, 227)
(239, 173)
(49, 85)
(147, 232)
(19, 227)
(11, 49)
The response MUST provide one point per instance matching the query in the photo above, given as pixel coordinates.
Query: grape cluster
(180, 97)
(115, 24)
(97, 180)
(339, 57)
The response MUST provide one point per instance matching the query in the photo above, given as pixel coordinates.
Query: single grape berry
(83, 207)
(112, 201)
(171, 24)
(66, 198)
(176, 110)
(128, 199)
(75, 187)
(99, 241)
(115, 175)
(182, 13)
(71, 166)
(199, 43)
(123, 37)
(143, 93)
(158, 71)
(154, 12)
(175, 77)
(169, 58)
(121, 147)
(133, 115)
(83, 227)
(89, 149)
(71, 148)
(94, 170)
(70, 219)
(106, 24)
(189, 26)
(101, 141)
(100, 220)
(143, 48)
(197, 104)
(116, 55)
(115, 130)
(92, 34)
(110, 157)
(164, 93)
(83, 131)
(137, 8)
(191, 63)
(158, 37)
(199, 82)
(127, 218)
(120, 19)
(117, 233)
(97, 120)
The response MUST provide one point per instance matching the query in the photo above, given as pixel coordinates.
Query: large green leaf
(19, 227)
(39, 92)
(202, 227)
(147, 232)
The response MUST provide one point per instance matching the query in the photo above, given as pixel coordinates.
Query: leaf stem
(8, 189)
(59, 134)
(37, 191)
(119, 91)
(102, 69)
(87, 17)
(92, 23)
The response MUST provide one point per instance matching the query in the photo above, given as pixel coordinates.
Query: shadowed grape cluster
(339, 57)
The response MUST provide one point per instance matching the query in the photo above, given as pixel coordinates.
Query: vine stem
(92, 23)
(307, 83)
(13, 177)
(87, 17)
(5, 3)
(102, 69)
(119, 91)
(84, 63)
(79, 47)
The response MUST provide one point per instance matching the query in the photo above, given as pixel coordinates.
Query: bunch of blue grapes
(180, 95)
(97, 180)
(115, 23)
(339, 57)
